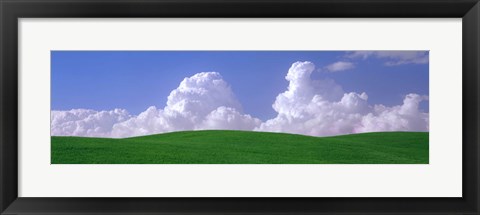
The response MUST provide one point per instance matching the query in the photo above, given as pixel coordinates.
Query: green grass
(244, 147)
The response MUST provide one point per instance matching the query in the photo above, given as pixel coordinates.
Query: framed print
(260, 107)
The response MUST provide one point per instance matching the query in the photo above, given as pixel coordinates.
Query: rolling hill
(244, 147)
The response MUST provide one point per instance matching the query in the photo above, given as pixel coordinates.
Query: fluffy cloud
(82, 122)
(339, 66)
(227, 118)
(203, 101)
(394, 58)
(200, 94)
(405, 117)
(206, 101)
(320, 108)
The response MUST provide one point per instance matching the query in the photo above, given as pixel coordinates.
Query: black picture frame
(12, 10)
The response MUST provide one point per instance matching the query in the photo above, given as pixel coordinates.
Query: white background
(441, 178)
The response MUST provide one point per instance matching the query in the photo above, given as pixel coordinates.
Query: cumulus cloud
(202, 101)
(227, 118)
(200, 94)
(205, 101)
(393, 58)
(83, 122)
(340, 66)
(322, 108)
(405, 117)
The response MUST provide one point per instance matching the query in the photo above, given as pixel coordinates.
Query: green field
(244, 147)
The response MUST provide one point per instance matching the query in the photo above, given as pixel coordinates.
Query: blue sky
(135, 80)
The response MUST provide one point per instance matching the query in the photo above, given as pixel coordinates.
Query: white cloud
(206, 101)
(340, 66)
(199, 102)
(394, 58)
(320, 108)
(200, 94)
(83, 122)
(405, 117)
(150, 121)
(226, 118)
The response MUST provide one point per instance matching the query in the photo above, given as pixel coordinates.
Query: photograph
(239, 107)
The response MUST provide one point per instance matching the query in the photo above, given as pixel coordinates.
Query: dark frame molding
(11, 10)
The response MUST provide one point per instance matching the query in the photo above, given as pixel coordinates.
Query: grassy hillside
(244, 147)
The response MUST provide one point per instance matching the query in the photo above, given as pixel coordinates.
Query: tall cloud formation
(321, 108)
(206, 101)
(203, 101)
